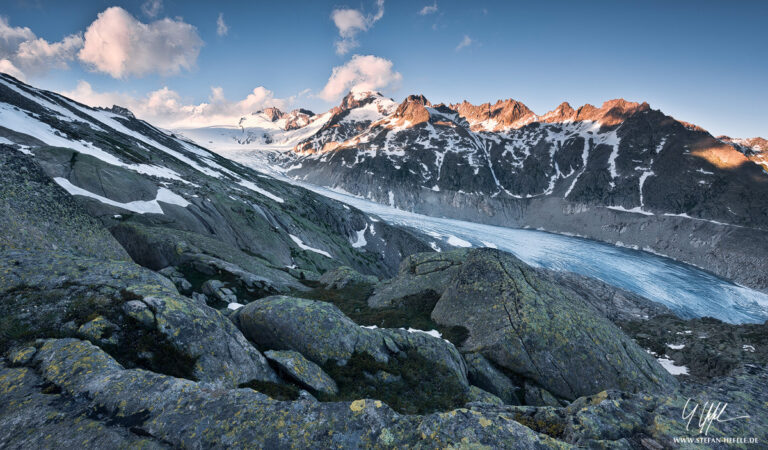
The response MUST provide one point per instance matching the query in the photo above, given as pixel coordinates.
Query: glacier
(686, 290)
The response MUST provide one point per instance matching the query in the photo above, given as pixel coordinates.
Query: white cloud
(344, 46)
(350, 22)
(151, 8)
(6, 66)
(23, 53)
(166, 108)
(118, 44)
(466, 42)
(221, 27)
(429, 9)
(361, 73)
(11, 37)
(38, 55)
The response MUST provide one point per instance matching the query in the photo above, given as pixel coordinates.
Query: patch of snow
(489, 244)
(234, 306)
(252, 186)
(368, 112)
(676, 346)
(167, 196)
(37, 96)
(644, 177)
(458, 242)
(109, 119)
(23, 123)
(636, 210)
(584, 158)
(433, 333)
(304, 246)
(139, 206)
(669, 366)
(748, 348)
(360, 241)
(686, 216)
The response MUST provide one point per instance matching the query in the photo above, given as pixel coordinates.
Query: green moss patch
(410, 384)
(544, 425)
(138, 346)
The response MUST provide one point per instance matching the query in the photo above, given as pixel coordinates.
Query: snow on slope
(140, 206)
(254, 132)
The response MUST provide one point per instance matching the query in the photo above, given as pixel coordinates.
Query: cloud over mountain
(361, 73)
(22, 53)
(119, 45)
(167, 108)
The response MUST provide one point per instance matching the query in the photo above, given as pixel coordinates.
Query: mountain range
(622, 173)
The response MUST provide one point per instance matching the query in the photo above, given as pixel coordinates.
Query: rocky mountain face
(504, 114)
(154, 294)
(623, 173)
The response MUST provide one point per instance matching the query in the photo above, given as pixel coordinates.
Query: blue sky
(700, 61)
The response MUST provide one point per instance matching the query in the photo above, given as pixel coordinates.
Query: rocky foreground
(101, 352)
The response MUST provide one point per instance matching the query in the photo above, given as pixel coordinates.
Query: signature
(709, 413)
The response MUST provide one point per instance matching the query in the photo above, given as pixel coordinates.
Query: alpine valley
(622, 173)
(352, 279)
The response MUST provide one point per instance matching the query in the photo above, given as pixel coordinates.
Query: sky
(186, 63)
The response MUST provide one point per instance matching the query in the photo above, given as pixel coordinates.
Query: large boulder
(437, 351)
(414, 371)
(136, 314)
(343, 276)
(483, 374)
(614, 303)
(534, 328)
(303, 371)
(202, 257)
(317, 330)
(419, 274)
(321, 332)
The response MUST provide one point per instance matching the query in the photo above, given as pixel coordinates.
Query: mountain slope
(171, 202)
